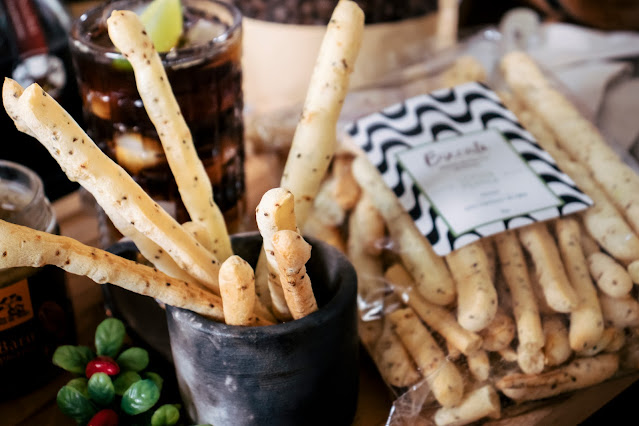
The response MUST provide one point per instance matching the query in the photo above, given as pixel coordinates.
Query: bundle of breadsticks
(192, 264)
(524, 315)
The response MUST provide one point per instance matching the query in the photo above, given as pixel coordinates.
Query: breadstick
(551, 274)
(508, 354)
(525, 310)
(479, 365)
(21, 246)
(313, 227)
(436, 317)
(499, 333)
(429, 271)
(620, 182)
(11, 92)
(346, 191)
(369, 332)
(588, 244)
(291, 255)
(580, 373)
(491, 256)
(586, 320)
(128, 35)
(609, 334)
(237, 287)
(111, 186)
(477, 404)
(476, 294)
(275, 212)
(620, 311)
(611, 278)
(633, 271)
(443, 377)
(603, 221)
(325, 207)
(393, 361)
(314, 141)
(370, 225)
(557, 347)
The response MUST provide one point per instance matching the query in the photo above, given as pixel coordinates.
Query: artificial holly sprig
(114, 389)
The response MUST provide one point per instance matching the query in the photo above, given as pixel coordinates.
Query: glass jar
(35, 312)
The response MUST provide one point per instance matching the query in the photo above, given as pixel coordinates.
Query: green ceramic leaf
(133, 359)
(166, 415)
(157, 379)
(72, 358)
(81, 385)
(124, 381)
(101, 389)
(75, 405)
(109, 337)
(140, 397)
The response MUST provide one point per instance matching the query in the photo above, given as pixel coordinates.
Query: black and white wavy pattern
(442, 114)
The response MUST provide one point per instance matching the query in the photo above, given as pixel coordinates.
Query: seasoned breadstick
(314, 141)
(551, 274)
(313, 227)
(479, 365)
(609, 334)
(579, 137)
(586, 320)
(557, 347)
(443, 377)
(393, 361)
(429, 271)
(620, 311)
(633, 271)
(525, 310)
(275, 212)
(476, 294)
(128, 35)
(612, 278)
(580, 373)
(112, 187)
(491, 256)
(237, 287)
(436, 317)
(370, 224)
(291, 254)
(11, 92)
(477, 404)
(499, 333)
(21, 246)
(346, 191)
(603, 221)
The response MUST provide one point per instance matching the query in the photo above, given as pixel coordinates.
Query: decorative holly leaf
(109, 337)
(133, 359)
(166, 415)
(101, 389)
(72, 358)
(81, 385)
(159, 381)
(140, 397)
(124, 381)
(74, 404)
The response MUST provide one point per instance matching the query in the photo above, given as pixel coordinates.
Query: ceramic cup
(300, 372)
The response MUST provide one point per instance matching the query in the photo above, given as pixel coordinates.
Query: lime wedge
(163, 22)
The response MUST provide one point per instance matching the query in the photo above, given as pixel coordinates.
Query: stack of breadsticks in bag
(523, 315)
(192, 264)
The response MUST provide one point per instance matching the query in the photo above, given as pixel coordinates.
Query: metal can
(35, 311)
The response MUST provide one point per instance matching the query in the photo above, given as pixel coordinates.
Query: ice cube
(204, 31)
(135, 153)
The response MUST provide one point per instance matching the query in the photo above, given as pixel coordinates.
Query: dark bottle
(34, 48)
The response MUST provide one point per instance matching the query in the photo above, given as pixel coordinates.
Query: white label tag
(476, 179)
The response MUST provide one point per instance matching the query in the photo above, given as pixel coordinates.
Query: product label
(463, 167)
(15, 305)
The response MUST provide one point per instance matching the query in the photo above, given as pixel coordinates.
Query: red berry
(106, 417)
(102, 364)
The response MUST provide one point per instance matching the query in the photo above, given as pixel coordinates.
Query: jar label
(15, 305)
